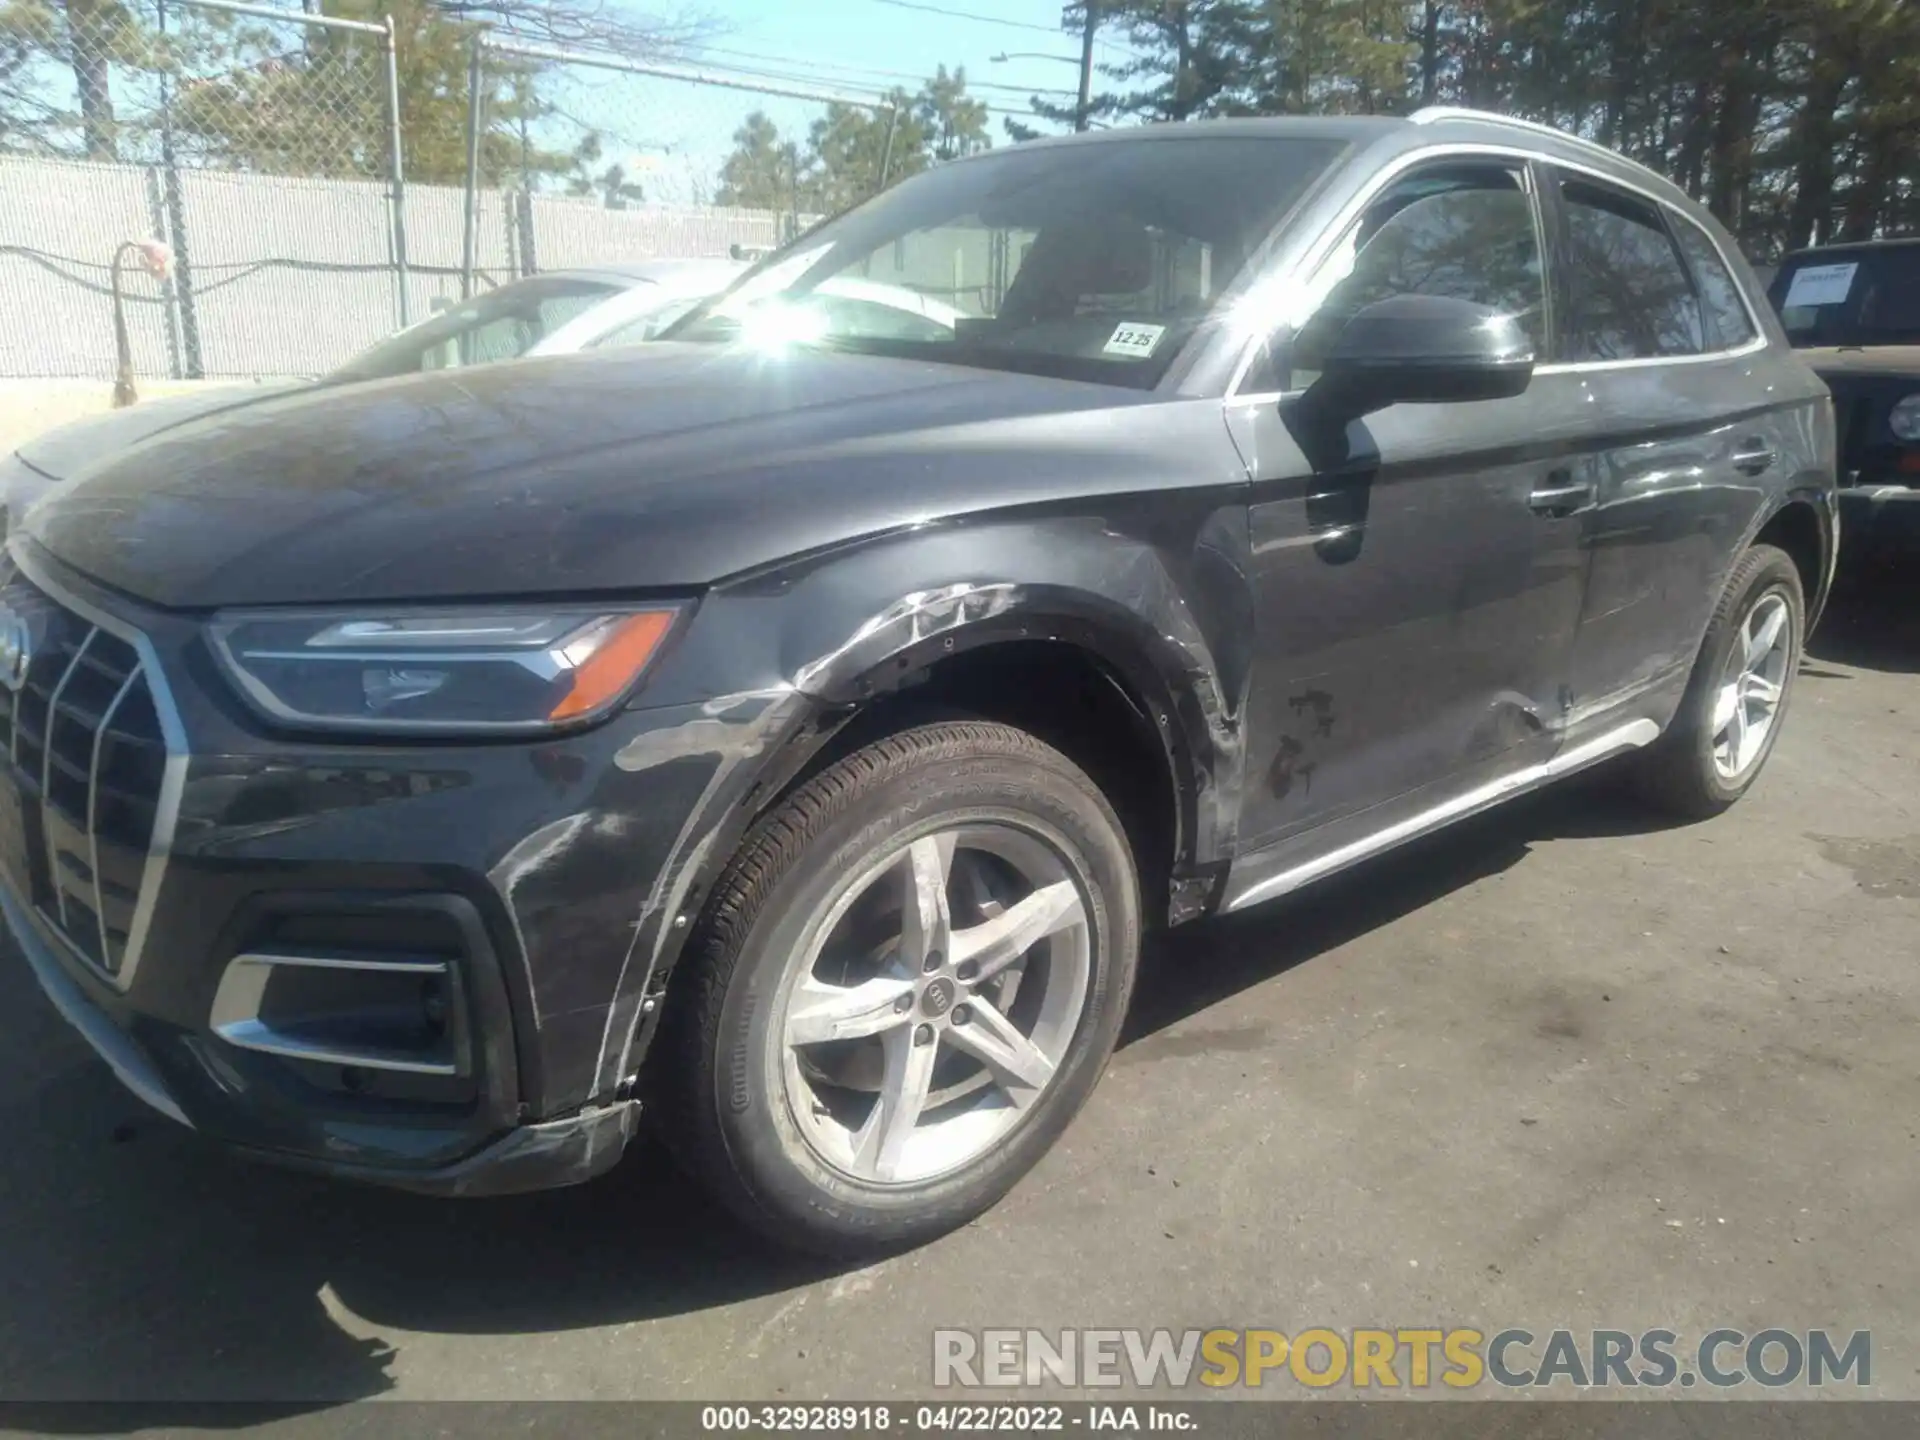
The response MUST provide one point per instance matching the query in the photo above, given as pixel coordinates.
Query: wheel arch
(1802, 524)
(1087, 693)
(860, 637)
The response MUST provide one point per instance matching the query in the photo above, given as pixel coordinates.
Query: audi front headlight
(1904, 420)
(503, 669)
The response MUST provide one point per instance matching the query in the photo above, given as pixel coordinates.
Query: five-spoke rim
(1751, 686)
(934, 1001)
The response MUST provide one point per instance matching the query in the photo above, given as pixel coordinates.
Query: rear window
(1891, 304)
(1859, 297)
(1628, 296)
(1726, 312)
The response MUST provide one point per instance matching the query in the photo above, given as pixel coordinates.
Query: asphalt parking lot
(1561, 1067)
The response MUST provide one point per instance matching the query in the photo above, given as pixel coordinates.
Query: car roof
(1435, 125)
(1275, 127)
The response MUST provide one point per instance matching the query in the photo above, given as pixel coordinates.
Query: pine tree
(853, 151)
(1795, 121)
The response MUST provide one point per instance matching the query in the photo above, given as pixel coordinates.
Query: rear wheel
(904, 988)
(1735, 702)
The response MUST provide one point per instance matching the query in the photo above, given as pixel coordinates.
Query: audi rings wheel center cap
(937, 999)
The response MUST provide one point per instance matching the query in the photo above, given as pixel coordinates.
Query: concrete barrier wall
(285, 275)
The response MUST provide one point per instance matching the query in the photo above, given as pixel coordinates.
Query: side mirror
(1423, 350)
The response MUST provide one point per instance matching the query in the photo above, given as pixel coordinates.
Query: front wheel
(903, 989)
(1736, 699)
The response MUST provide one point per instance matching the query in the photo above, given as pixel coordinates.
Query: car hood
(656, 467)
(62, 451)
(1889, 360)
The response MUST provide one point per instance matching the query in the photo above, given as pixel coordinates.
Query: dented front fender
(773, 664)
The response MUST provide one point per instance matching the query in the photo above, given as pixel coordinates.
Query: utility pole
(1089, 28)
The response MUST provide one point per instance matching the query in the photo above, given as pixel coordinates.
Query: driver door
(1418, 591)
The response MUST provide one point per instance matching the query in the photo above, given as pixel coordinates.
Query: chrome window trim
(1439, 114)
(173, 777)
(1348, 214)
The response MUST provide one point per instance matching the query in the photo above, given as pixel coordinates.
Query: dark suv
(1853, 312)
(793, 726)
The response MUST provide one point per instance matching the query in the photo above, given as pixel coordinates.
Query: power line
(998, 20)
(861, 70)
(969, 15)
(787, 77)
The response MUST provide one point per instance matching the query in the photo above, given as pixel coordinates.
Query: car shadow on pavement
(143, 1264)
(1187, 970)
(1873, 620)
(146, 1265)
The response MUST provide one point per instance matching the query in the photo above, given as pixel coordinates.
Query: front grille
(84, 736)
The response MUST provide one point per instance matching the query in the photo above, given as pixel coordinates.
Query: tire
(1686, 772)
(806, 1139)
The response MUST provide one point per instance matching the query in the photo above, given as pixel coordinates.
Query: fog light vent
(374, 1012)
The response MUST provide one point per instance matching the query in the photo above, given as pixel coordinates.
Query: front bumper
(111, 1044)
(544, 878)
(540, 1156)
(1880, 516)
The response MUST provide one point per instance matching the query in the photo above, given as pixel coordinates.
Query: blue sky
(856, 47)
(851, 41)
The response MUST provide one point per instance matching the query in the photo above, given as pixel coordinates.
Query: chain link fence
(322, 179)
(260, 144)
(601, 160)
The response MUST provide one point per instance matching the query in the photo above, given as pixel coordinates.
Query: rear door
(1657, 337)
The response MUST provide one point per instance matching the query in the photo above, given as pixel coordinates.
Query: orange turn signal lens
(616, 662)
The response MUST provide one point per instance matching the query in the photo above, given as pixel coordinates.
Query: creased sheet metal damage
(731, 730)
(909, 621)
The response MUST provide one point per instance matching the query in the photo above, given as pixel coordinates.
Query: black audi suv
(789, 729)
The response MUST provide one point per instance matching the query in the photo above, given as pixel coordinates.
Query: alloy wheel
(1751, 686)
(935, 999)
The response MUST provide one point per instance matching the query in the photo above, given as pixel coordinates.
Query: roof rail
(1434, 113)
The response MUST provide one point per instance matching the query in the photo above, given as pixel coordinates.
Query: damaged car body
(791, 727)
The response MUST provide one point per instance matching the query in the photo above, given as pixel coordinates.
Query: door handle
(1562, 495)
(1755, 457)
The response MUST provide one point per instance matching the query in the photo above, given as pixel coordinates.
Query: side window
(1890, 307)
(509, 334)
(1627, 293)
(643, 328)
(1732, 326)
(500, 338)
(558, 310)
(1464, 231)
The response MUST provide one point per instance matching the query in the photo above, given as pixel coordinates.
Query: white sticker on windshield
(1820, 285)
(1135, 341)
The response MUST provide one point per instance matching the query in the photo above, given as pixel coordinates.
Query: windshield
(1860, 297)
(499, 325)
(1092, 262)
